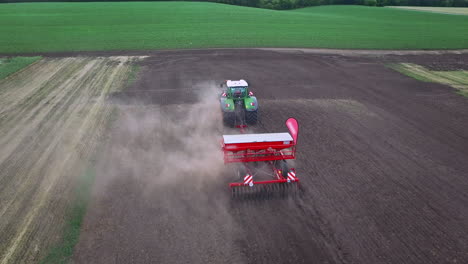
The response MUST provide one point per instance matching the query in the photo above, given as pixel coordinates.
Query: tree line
(291, 4)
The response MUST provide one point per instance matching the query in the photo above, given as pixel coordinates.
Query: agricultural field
(382, 162)
(54, 27)
(443, 10)
(53, 114)
(120, 156)
(110, 146)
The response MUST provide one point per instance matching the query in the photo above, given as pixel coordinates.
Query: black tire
(283, 166)
(251, 117)
(229, 119)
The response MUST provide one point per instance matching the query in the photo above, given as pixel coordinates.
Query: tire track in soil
(52, 118)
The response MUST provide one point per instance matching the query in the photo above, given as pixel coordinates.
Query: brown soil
(382, 160)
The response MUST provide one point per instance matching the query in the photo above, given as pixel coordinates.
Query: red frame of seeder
(265, 152)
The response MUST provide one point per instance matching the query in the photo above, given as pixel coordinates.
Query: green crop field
(12, 65)
(48, 27)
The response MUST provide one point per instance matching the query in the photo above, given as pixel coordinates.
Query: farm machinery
(263, 157)
(238, 105)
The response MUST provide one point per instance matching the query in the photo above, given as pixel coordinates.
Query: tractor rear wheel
(251, 117)
(229, 118)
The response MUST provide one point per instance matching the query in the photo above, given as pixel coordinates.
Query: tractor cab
(237, 89)
(238, 92)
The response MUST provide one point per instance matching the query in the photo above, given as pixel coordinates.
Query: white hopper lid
(252, 138)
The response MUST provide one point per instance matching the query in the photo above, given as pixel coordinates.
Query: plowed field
(382, 159)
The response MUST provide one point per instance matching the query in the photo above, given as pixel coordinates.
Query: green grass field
(48, 27)
(12, 65)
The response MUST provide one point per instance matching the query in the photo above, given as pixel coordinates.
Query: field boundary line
(344, 52)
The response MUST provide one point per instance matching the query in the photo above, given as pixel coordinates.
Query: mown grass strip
(99, 26)
(62, 252)
(442, 10)
(133, 74)
(408, 69)
(11, 65)
(456, 79)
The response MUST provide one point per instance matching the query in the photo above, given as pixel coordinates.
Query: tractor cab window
(238, 91)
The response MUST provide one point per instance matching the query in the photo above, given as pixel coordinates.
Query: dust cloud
(161, 185)
(168, 144)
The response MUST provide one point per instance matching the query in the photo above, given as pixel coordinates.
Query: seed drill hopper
(262, 161)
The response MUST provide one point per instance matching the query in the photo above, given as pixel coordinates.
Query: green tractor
(238, 104)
